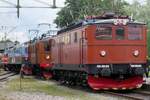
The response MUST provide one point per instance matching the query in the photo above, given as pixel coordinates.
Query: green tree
(77, 9)
(141, 12)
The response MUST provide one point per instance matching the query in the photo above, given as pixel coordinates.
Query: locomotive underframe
(117, 76)
(40, 71)
(118, 71)
(13, 67)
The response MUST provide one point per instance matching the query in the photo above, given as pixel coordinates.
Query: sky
(29, 19)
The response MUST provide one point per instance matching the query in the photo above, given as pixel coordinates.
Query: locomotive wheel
(70, 78)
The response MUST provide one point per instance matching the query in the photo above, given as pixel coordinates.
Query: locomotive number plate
(102, 66)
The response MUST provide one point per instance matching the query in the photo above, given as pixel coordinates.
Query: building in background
(8, 44)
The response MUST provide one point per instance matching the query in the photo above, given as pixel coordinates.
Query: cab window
(134, 32)
(103, 32)
(120, 33)
(75, 37)
(46, 46)
(33, 48)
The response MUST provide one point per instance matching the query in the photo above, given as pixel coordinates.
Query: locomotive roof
(40, 40)
(99, 20)
(44, 37)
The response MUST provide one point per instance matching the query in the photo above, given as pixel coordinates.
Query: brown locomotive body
(106, 52)
(40, 57)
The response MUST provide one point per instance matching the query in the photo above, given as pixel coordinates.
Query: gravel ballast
(32, 96)
(34, 89)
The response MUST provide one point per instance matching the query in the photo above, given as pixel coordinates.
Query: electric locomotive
(14, 57)
(105, 52)
(40, 57)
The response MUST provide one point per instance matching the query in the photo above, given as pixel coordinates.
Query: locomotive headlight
(26, 58)
(136, 53)
(103, 53)
(47, 57)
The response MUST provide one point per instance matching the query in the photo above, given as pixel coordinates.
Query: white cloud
(19, 36)
(15, 36)
(29, 18)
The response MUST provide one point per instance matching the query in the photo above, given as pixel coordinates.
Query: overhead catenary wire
(18, 5)
(42, 2)
(8, 2)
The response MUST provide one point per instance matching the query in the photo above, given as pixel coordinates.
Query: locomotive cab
(116, 52)
(40, 57)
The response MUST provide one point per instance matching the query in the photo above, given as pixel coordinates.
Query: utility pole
(18, 5)
(54, 4)
(5, 36)
(5, 42)
(18, 8)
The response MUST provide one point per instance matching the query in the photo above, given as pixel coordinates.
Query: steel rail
(143, 92)
(5, 73)
(6, 76)
(124, 95)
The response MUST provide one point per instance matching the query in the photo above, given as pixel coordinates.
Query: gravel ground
(42, 96)
(6, 94)
(31, 96)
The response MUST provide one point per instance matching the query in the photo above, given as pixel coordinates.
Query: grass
(148, 42)
(2, 98)
(1, 70)
(31, 85)
(50, 88)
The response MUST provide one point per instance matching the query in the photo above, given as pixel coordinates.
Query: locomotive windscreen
(134, 32)
(46, 46)
(105, 32)
(120, 33)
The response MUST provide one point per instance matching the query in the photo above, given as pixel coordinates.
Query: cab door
(60, 53)
(83, 47)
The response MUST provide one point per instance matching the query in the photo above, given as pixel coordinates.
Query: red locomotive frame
(88, 52)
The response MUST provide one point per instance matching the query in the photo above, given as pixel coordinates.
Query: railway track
(6, 75)
(129, 95)
(135, 95)
(143, 92)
